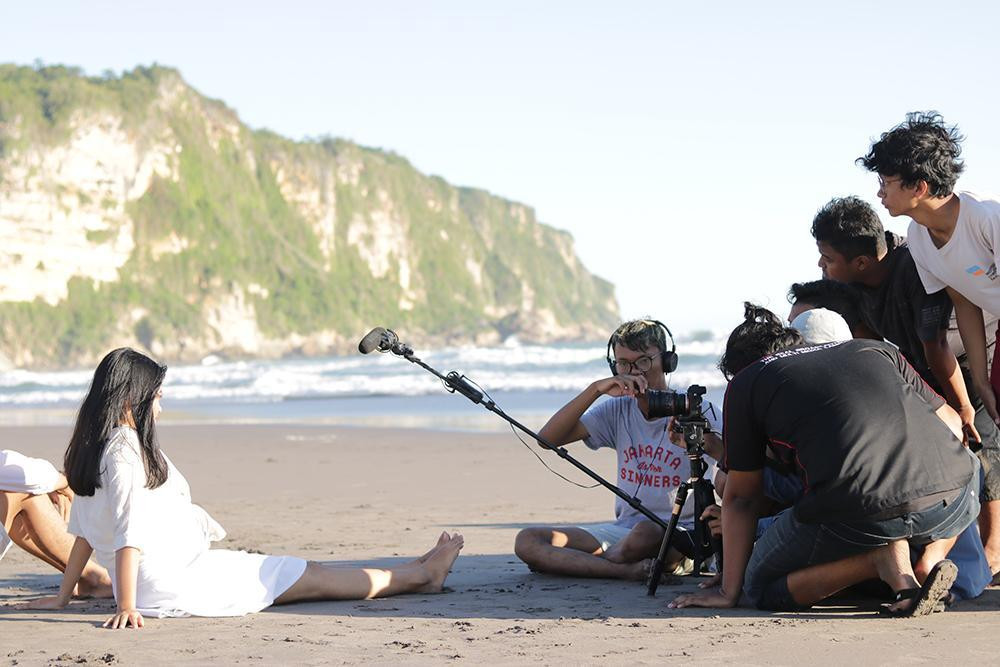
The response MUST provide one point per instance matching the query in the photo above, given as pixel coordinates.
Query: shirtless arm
(944, 367)
(973, 331)
(78, 557)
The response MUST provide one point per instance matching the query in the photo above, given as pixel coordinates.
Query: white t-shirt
(968, 261)
(24, 474)
(650, 467)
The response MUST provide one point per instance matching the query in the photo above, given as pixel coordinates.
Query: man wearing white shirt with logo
(954, 238)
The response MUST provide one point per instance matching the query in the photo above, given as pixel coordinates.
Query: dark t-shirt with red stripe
(853, 419)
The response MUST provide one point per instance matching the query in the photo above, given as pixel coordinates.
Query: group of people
(859, 439)
(858, 442)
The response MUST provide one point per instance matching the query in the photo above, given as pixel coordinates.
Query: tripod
(704, 545)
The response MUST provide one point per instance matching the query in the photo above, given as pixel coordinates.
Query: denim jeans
(790, 545)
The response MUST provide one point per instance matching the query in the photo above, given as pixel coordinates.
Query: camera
(667, 403)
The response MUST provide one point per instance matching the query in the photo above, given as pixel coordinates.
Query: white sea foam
(510, 367)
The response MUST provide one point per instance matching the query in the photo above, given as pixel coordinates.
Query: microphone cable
(531, 449)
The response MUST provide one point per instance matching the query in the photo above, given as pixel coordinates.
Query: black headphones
(668, 359)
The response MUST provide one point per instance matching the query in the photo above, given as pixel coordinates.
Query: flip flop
(928, 598)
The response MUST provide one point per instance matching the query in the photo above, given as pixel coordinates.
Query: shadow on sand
(499, 586)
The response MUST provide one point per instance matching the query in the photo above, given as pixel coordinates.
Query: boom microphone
(380, 339)
(383, 340)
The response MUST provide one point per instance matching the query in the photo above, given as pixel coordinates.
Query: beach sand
(378, 496)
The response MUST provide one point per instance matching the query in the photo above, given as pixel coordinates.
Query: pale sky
(686, 146)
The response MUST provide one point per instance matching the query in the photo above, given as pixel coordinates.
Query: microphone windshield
(373, 341)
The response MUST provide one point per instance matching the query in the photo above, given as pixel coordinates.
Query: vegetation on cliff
(307, 237)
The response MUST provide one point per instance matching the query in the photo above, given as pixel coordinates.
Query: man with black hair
(837, 297)
(855, 249)
(652, 463)
(879, 456)
(951, 240)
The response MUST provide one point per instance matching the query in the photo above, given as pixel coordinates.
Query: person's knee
(11, 504)
(774, 596)
(642, 541)
(528, 543)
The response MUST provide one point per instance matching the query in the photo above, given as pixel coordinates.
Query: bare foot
(94, 587)
(441, 540)
(439, 563)
(640, 572)
(892, 562)
(993, 558)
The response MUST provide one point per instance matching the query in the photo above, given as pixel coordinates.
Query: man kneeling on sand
(650, 466)
(880, 457)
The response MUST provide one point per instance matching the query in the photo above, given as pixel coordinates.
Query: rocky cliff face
(135, 211)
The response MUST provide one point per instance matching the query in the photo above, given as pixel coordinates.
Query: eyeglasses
(642, 364)
(882, 182)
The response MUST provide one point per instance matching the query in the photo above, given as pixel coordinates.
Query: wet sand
(379, 496)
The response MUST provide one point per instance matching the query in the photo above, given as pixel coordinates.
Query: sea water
(529, 382)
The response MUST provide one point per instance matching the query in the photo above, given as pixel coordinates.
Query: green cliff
(134, 210)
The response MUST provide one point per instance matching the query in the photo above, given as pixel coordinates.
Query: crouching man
(880, 458)
(650, 465)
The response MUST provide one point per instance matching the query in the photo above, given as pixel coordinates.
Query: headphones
(668, 359)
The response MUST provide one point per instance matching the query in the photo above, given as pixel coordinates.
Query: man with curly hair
(954, 238)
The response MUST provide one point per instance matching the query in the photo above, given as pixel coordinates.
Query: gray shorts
(5, 542)
(989, 456)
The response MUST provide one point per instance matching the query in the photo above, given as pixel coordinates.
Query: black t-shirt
(902, 312)
(853, 419)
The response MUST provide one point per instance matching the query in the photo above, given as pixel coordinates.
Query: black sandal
(928, 598)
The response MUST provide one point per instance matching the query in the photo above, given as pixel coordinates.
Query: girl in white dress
(133, 511)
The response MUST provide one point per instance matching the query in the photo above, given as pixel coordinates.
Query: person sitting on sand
(651, 466)
(881, 461)
(35, 503)
(133, 510)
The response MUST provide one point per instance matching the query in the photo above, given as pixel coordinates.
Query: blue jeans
(790, 545)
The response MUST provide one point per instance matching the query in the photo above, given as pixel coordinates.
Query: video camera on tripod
(690, 422)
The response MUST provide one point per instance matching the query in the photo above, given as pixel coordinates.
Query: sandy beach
(347, 495)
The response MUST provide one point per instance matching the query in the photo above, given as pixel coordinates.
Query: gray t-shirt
(649, 465)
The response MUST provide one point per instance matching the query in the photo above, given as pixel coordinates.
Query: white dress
(179, 574)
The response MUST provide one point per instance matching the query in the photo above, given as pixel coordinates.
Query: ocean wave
(512, 367)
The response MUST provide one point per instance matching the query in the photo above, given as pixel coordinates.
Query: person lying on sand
(35, 502)
(882, 463)
(133, 510)
(650, 464)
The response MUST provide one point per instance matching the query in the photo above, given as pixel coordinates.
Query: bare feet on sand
(441, 540)
(436, 564)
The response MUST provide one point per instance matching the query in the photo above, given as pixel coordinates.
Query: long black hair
(761, 333)
(125, 382)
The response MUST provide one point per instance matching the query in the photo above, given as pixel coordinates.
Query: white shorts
(607, 533)
(610, 533)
